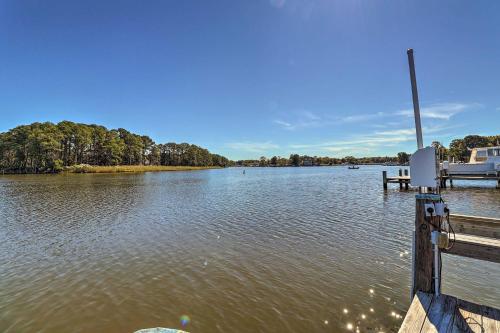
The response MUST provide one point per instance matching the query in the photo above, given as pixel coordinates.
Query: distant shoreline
(84, 168)
(318, 165)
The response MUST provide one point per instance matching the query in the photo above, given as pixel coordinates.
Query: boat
(160, 330)
(483, 161)
(353, 167)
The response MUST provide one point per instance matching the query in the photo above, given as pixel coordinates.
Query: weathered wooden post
(423, 255)
(400, 179)
(442, 179)
(406, 184)
(384, 179)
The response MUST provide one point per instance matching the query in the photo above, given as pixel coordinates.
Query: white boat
(483, 161)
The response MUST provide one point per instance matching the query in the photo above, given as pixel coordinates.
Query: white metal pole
(414, 92)
(437, 287)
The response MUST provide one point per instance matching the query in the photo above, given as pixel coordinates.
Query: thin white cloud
(361, 117)
(284, 124)
(253, 147)
(304, 119)
(348, 150)
(406, 131)
(443, 111)
(437, 111)
(363, 144)
(310, 115)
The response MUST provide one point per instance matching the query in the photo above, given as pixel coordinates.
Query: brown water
(274, 250)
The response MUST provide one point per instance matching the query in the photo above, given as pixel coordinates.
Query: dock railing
(475, 237)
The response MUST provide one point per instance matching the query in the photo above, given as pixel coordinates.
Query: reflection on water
(272, 250)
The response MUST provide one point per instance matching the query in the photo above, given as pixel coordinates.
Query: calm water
(274, 250)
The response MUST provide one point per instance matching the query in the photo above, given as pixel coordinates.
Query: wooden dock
(476, 237)
(443, 313)
(450, 177)
(404, 179)
(401, 179)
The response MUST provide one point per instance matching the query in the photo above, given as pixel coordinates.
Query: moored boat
(483, 161)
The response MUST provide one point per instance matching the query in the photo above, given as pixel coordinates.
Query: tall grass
(85, 168)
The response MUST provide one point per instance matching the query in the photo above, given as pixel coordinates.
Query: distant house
(307, 162)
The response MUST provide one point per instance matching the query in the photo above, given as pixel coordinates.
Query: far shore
(85, 168)
(132, 168)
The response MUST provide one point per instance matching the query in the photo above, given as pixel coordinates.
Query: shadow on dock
(444, 313)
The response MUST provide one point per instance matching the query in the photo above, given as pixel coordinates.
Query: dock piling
(423, 256)
(400, 182)
(384, 179)
(406, 175)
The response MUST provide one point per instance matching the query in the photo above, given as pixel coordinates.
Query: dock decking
(449, 314)
(406, 179)
(477, 237)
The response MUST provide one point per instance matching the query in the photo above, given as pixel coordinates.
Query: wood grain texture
(476, 247)
(417, 313)
(447, 314)
(424, 259)
(476, 225)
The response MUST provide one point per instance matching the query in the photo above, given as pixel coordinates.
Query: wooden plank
(491, 319)
(440, 314)
(398, 178)
(472, 177)
(468, 317)
(424, 258)
(448, 314)
(417, 312)
(476, 225)
(476, 247)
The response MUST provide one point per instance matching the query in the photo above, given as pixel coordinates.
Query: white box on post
(423, 168)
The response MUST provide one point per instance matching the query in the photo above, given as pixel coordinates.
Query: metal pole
(414, 92)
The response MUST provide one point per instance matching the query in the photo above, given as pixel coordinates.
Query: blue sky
(251, 78)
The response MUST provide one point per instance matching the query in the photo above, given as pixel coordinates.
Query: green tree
(458, 150)
(403, 157)
(475, 141)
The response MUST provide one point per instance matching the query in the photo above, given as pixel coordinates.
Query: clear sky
(246, 78)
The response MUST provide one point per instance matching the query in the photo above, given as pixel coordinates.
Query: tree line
(459, 150)
(305, 160)
(48, 147)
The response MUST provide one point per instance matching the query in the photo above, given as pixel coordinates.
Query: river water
(271, 250)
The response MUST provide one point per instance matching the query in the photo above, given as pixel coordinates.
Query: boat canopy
(479, 155)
